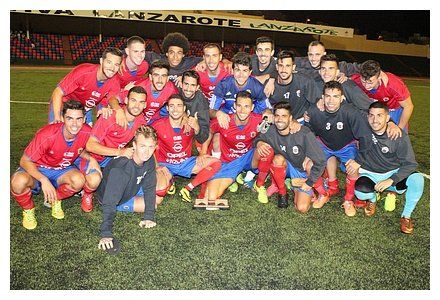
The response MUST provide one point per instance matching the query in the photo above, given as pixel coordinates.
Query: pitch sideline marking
(29, 102)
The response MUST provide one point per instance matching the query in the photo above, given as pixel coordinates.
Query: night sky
(404, 23)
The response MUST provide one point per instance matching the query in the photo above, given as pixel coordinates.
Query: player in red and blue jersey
(158, 88)
(48, 165)
(134, 67)
(215, 70)
(175, 147)
(388, 88)
(89, 84)
(108, 139)
(237, 152)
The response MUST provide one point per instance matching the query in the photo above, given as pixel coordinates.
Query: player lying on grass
(129, 184)
(48, 165)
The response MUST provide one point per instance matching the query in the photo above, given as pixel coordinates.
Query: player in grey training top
(385, 164)
(299, 90)
(338, 128)
(196, 104)
(329, 71)
(310, 64)
(129, 185)
(291, 151)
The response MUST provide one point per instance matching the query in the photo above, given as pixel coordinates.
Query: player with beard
(290, 152)
(237, 152)
(298, 89)
(264, 64)
(310, 65)
(215, 70)
(175, 147)
(89, 84)
(384, 164)
(108, 139)
(47, 165)
(329, 71)
(158, 88)
(338, 129)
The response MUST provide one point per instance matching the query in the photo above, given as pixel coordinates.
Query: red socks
(204, 175)
(264, 164)
(349, 188)
(24, 200)
(278, 176)
(63, 192)
(319, 186)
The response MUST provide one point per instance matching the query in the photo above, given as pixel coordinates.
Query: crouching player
(174, 150)
(47, 164)
(291, 151)
(338, 128)
(237, 152)
(385, 164)
(131, 183)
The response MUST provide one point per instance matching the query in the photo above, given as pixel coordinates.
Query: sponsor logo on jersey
(240, 145)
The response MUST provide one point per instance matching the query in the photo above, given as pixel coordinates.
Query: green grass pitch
(251, 246)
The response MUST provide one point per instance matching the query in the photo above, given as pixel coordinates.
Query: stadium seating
(84, 48)
(37, 47)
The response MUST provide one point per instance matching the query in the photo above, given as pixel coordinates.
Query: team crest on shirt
(295, 150)
(253, 134)
(177, 147)
(386, 99)
(298, 93)
(340, 125)
(80, 150)
(240, 145)
(385, 149)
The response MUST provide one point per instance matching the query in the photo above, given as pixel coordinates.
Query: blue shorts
(128, 206)
(293, 172)
(344, 154)
(88, 115)
(82, 165)
(377, 177)
(233, 168)
(51, 174)
(395, 115)
(183, 169)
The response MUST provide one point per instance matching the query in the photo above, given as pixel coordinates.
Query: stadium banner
(189, 18)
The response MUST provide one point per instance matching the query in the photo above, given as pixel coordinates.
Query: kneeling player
(291, 151)
(385, 164)
(237, 152)
(129, 185)
(175, 145)
(47, 164)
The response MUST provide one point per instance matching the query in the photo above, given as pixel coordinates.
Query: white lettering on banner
(204, 19)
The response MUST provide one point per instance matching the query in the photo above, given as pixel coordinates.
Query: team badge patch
(295, 150)
(253, 134)
(385, 149)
